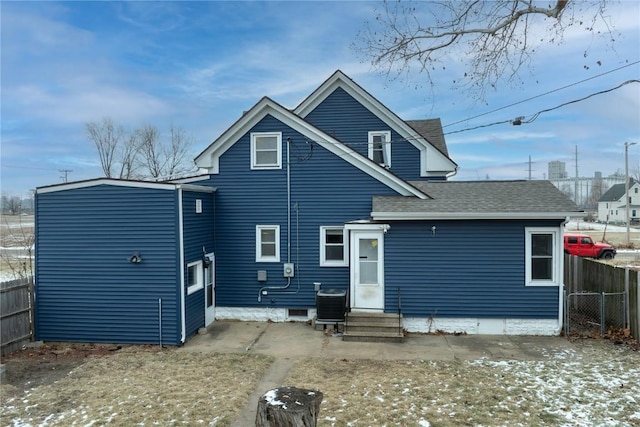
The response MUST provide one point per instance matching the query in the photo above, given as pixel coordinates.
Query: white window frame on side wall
(556, 254)
(386, 147)
(259, 256)
(199, 283)
(255, 136)
(324, 262)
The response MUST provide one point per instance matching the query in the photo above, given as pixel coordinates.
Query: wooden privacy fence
(588, 276)
(16, 314)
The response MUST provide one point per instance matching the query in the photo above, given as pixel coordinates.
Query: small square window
(333, 248)
(266, 150)
(267, 243)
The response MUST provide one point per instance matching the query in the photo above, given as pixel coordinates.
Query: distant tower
(557, 170)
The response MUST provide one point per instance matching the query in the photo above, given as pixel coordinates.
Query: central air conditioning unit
(331, 306)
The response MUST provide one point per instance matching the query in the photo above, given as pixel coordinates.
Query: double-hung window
(542, 256)
(333, 247)
(380, 147)
(267, 243)
(266, 150)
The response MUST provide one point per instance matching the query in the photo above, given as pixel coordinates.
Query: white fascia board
(268, 107)
(339, 79)
(197, 188)
(189, 179)
(105, 181)
(408, 216)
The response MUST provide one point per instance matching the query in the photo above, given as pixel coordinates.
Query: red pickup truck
(583, 245)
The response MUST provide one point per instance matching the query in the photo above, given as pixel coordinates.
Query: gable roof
(210, 157)
(478, 200)
(433, 158)
(615, 193)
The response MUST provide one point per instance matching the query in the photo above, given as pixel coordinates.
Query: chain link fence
(593, 314)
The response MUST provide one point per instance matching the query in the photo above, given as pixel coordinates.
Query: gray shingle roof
(615, 193)
(480, 197)
(431, 130)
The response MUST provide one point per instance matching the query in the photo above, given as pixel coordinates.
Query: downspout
(183, 325)
(281, 288)
(453, 173)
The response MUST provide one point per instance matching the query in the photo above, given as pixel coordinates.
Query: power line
(521, 120)
(543, 94)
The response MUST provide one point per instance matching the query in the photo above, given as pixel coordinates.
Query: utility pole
(576, 183)
(529, 167)
(65, 173)
(626, 185)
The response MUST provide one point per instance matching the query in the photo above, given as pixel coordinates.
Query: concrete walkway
(289, 342)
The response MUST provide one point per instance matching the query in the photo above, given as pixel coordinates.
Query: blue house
(338, 193)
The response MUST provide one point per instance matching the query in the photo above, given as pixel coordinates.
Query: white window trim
(556, 280)
(386, 146)
(199, 276)
(278, 164)
(259, 257)
(345, 250)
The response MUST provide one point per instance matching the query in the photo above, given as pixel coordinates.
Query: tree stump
(289, 407)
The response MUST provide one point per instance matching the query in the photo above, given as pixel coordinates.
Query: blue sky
(198, 65)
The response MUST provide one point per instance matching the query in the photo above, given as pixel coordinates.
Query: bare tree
(164, 158)
(107, 137)
(598, 188)
(142, 153)
(494, 39)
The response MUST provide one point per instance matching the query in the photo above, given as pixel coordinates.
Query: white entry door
(210, 291)
(367, 270)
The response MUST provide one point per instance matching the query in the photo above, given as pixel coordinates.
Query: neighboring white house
(613, 204)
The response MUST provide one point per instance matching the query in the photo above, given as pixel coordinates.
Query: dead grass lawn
(142, 388)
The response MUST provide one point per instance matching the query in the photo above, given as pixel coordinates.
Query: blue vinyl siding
(330, 117)
(325, 190)
(86, 290)
(197, 234)
(465, 269)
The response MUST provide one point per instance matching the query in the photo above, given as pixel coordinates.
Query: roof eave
(416, 216)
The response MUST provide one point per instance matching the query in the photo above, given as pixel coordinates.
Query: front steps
(373, 327)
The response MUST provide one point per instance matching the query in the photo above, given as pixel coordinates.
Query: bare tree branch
(107, 138)
(494, 39)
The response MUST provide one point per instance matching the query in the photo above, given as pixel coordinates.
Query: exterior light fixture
(135, 258)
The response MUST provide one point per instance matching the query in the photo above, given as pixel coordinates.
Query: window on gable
(266, 150)
(380, 147)
(194, 277)
(333, 248)
(542, 256)
(267, 243)
(635, 190)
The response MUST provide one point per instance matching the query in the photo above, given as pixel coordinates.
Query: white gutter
(408, 216)
(183, 322)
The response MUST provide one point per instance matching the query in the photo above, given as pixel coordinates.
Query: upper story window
(267, 243)
(380, 147)
(333, 248)
(266, 150)
(543, 263)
